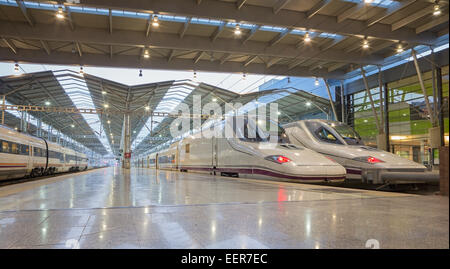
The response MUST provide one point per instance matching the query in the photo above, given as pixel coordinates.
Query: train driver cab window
(5, 147)
(322, 133)
(350, 136)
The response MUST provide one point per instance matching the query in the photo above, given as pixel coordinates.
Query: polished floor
(144, 208)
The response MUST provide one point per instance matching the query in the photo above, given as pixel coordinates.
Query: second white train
(241, 156)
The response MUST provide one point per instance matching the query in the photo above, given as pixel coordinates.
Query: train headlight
(368, 159)
(278, 159)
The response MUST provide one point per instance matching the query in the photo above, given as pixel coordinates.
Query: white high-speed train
(341, 143)
(25, 155)
(241, 156)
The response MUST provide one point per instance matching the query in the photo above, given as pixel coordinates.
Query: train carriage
(25, 155)
(242, 156)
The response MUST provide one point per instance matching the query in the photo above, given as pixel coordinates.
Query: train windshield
(350, 136)
(261, 131)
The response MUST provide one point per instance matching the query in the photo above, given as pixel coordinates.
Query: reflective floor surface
(145, 208)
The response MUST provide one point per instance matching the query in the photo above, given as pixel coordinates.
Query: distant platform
(146, 208)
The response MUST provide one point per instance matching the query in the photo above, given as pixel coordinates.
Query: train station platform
(145, 208)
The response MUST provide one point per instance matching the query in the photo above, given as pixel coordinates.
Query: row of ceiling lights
(237, 31)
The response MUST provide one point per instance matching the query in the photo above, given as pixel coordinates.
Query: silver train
(341, 143)
(25, 155)
(241, 156)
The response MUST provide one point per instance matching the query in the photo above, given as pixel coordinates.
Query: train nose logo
(373, 244)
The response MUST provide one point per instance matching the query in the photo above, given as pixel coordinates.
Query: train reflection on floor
(145, 208)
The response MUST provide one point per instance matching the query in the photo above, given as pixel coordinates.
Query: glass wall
(408, 120)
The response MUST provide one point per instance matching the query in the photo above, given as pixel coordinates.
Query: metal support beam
(46, 47)
(279, 37)
(380, 86)
(280, 5)
(217, 32)
(78, 46)
(349, 12)
(251, 34)
(422, 86)
(110, 22)
(198, 57)
(412, 18)
(317, 8)
(372, 105)
(240, 3)
(131, 61)
(386, 116)
(69, 18)
(334, 42)
(250, 60)
(171, 41)
(440, 104)
(184, 28)
(435, 22)
(226, 10)
(25, 12)
(331, 99)
(10, 45)
(396, 6)
(126, 142)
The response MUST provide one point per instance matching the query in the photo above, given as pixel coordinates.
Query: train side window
(188, 148)
(5, 147)
(24, 149)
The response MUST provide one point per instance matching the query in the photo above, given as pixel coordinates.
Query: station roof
(199, 35)
(103, 131)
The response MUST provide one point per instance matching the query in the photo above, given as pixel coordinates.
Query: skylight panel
(173, 97)
(86, 102)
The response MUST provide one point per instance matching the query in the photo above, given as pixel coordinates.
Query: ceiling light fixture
(316, 82)
(437, 10)
(365, 44)
(147, 108)
(16, 68)
(146, 54)
(106, 105)
(237, 29)
(81, 71)
(60, 13)
(400, 48)
(140, 72)
(47, 103)
(103, 92)
(244, 76)
(307, 38)
(155, 21)
(195, 75)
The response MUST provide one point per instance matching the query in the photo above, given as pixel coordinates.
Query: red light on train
(373, 160)
(282, 159)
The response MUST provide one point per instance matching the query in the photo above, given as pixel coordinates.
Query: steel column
(372, 105)
(386, 115)
(331, 99)
(422, 85)
(440, 108)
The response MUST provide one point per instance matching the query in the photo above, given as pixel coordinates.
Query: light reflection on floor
(145, 208)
